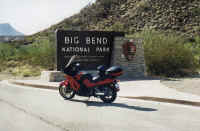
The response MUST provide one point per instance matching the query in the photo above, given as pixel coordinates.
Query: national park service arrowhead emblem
(129, 50)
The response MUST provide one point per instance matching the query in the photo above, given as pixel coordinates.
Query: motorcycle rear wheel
(66, 92)
(112, 95)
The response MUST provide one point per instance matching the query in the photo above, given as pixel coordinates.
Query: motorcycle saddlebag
(114, 71)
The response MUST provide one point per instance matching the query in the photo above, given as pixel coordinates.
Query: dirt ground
(8, 76)
(187, 85)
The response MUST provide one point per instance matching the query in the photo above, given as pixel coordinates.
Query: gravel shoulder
(187, 85)
(5, 76)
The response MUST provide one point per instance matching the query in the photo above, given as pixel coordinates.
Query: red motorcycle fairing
(78, 76)
(90, 84)
(76, 86)
(73, 83)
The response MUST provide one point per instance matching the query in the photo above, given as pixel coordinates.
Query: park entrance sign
(93, 47)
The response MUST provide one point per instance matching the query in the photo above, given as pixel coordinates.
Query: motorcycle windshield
(71, 60)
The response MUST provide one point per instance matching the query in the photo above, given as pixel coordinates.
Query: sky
(31, 16)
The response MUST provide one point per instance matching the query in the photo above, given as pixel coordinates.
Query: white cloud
(31, 16)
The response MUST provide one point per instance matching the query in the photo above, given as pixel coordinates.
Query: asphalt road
(31, 109)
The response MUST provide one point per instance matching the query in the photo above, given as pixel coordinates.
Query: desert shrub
(195, 47)
(106, 3)
(195, 11)
(26, 71)
(167, 54)
(6, 51)
(39, 54)
(143, 5)
(117, 27)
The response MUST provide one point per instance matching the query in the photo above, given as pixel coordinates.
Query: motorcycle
(81, 83)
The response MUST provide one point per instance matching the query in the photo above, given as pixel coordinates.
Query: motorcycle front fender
(64, 83)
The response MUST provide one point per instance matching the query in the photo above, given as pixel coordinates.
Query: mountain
(7, 30)
(130, 16)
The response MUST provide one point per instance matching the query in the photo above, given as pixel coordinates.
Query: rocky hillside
(181, 16)
(7, 30)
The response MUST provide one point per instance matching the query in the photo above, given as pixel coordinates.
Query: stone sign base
(52, 76)
(128, 53)
(57, 76)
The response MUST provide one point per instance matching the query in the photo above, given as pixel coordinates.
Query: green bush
(195, 11)
(39, 54)
(167, 54)
(143, 5)
(106, 3)
(117, 27)
(195, 47)
(6, 51)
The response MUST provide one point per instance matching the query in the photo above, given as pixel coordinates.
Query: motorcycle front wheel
(66, 92)
(110, 95)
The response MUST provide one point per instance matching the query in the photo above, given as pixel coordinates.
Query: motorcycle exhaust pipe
(100, 94)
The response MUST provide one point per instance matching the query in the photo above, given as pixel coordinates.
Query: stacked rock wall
(135, 66)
